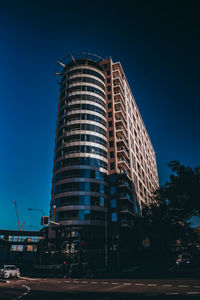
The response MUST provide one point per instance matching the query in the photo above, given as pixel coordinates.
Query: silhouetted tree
(173, 204)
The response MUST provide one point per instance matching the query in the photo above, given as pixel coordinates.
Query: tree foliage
(182, 192)
(166, 219)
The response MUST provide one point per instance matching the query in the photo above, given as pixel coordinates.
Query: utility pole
(106, 238)
(19, 226)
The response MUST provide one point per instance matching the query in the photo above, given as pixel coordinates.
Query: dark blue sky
(157, 43)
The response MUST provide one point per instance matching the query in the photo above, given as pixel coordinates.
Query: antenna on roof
(63, 65)
(73, 58)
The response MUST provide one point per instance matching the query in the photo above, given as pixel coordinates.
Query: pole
(106, 239)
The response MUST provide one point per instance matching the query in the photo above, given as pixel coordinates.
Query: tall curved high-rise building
(80, 163)
(104, 164)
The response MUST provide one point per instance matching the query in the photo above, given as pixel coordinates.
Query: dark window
(108, 88)
(111, 144)
(108, 80)
(81, 97)
(108, 72)
(111, 154)
(112, 166)
(80, 161)
(85, 88)
(110, 114)
(110, 133)
(81, 149)
(110, 105)
(110, 124)
(84, 71)
(109, 96)
(84, 79)
(90, 117)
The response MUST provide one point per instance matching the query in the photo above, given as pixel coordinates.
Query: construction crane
(19, 226)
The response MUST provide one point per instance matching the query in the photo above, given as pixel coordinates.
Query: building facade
(104, 164)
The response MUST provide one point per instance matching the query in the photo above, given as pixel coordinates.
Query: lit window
(101, 201)
(113, 203)
(114, 217)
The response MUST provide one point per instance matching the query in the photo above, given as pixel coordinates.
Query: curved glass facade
(79, 184)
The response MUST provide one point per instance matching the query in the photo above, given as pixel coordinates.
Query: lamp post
(42, 242)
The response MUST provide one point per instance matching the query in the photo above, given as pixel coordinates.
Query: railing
(123, 149)
(122, 130)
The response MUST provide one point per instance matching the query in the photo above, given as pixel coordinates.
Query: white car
(9, 271)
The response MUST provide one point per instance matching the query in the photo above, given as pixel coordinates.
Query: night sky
(157, 43)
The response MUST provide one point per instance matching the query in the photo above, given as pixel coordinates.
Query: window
(113, 190)
(112, 166)
(111, 144)
(108, 80)
(113, 203)
(108, 72)
(108, 88)
(114, 217)
(110, 114)
(110, 105)
(101, 188)
(83, 200)
(109, 96)
(110, 133)
(101, 201)
(111, 154)
(110, 124)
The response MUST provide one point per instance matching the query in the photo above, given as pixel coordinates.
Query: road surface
(98, 289)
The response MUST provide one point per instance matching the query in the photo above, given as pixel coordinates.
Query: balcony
(124, 165)
(126, 210)
(119, 121)
(120, 113)
(117, 82)
(121, 142)
(118, 90)
(126, 199)
(124, 185)
(123, 152)
(119, 105)
(120, 132)
(117, 74)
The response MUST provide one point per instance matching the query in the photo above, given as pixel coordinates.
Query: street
(98, 289)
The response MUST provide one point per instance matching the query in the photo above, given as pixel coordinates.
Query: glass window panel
(114, 217)
(112, 189)
(113, 203)
(101, 200)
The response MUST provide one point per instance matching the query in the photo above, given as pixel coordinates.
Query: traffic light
(45, 221)
(83, 245)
